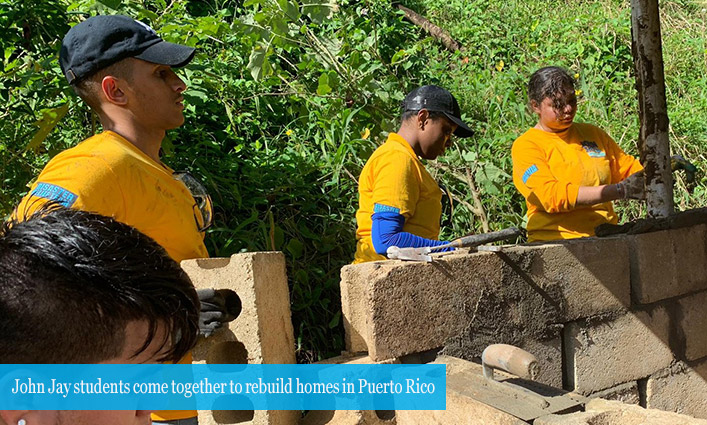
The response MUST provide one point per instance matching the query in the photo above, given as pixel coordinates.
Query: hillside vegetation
(287, 99)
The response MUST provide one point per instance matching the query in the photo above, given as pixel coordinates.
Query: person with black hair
(125, 72)
(569, 172)
(77, 287)
(399, 202)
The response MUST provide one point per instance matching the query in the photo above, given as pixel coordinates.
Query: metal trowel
(516, 395)
(421, 254)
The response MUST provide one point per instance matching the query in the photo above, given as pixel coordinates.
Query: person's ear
(11, 417)
(423, 115)
(535, 107)
(27, 417)
(112, 91)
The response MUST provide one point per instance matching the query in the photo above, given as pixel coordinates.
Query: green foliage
(286, 100)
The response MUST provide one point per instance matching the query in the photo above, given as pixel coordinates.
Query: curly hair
(551, 82)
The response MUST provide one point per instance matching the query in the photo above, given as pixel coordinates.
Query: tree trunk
(650, 83)
(431, 28)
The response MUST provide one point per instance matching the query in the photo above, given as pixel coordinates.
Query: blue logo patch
(592, 149)
(377, 208)
(55, 193)
(529, 172)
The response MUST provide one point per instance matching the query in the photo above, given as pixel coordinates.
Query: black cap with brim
(103, 40)
(166, 53)
(436, 99)
(462, 130)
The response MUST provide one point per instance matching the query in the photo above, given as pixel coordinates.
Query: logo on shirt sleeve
(592, 149)
(529, 172)
(55, 193)
(377, 208)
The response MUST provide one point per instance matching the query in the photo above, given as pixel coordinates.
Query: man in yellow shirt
(399, 202)
(123, 70)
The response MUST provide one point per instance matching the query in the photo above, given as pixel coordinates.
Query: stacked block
(261, 334)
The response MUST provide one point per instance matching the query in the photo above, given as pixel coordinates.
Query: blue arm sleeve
(387, 231)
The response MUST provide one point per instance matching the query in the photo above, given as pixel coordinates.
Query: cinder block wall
(620, 317)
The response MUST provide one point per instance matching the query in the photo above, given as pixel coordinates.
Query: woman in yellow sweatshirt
(569, 172)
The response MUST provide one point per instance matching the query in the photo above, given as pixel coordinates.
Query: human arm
(591, 195)
(534, 179)
(557, 188)
(396, 187)
(387, 231)
(632, 187)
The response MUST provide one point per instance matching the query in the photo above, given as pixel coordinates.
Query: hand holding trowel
(420, 254)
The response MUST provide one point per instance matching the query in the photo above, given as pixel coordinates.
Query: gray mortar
(511, 313)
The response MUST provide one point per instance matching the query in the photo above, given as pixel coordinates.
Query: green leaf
(113, 4)
(323, 88)
(469, 156)
(290, 8)
(258, 64)
(333, 79)
(50, 118)
(317, 12)
(251, 2)
(491, 178)
(279, 26)
(334, 322)
(295, 247)
(398, 57)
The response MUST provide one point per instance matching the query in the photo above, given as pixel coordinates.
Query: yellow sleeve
(83, 182)
(622, 164)
(396, 184)
(536, 182)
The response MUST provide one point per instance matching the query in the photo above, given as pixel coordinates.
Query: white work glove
(633, 187)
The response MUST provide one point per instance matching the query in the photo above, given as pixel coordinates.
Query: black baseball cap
(103, 40)
(435, 98)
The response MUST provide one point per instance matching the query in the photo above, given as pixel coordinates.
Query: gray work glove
(218, 306)
(633, 187)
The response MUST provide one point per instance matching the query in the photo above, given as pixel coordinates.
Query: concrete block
(463, 302)
(348, 417)
(668, 263)
(461, 409)
(693, 324)
(680, 388)
(590, 276)
(355, 302)
(605, 412)
(615, 350)
(632, 414)
(263, 332)
(549, 356)
(353, 358)
(579, 418)
(625, 393)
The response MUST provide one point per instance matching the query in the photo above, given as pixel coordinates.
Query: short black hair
(71, 281)
(550, 82)
(434, 115)
(89, 89)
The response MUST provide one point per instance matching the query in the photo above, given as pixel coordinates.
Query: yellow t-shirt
(549, 168)
(395, 179)
(108, 175)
